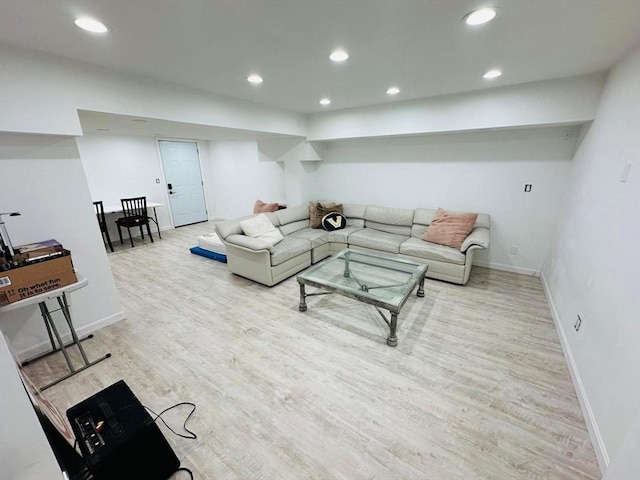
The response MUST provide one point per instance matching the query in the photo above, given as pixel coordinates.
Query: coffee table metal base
(392, 340)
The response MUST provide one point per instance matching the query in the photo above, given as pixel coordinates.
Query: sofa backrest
(232, 226)
(292, 219)
(354, 214)
(423, 216)
(390, 220)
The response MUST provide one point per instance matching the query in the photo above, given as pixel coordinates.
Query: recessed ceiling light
(393, 91)
(91, 25)
(480, 16)
(325, 101)
(492, 74)
(255, 79)
(339, 56)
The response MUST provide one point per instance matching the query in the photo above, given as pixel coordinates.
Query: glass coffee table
(382, 281)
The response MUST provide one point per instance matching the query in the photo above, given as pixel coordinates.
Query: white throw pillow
(260, 227)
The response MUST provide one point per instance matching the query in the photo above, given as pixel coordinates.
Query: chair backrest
(99, 208)
(134, 207)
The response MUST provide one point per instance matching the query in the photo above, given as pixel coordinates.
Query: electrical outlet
(157, 180)
(514, 250)
(578, 323)
(527, 188)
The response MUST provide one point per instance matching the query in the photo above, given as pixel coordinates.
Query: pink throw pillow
(261, 207)
(450, 229)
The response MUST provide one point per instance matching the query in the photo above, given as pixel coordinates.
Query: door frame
(164, 177)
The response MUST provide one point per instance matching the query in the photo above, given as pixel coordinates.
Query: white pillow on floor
(260, 227)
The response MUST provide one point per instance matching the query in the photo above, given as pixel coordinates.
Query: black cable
(184, 469)
(83, 475)
(184, 425)
(159, 415)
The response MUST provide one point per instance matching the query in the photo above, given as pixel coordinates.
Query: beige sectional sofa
(371, 228)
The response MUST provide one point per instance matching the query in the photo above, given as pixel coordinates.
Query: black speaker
(118, 438)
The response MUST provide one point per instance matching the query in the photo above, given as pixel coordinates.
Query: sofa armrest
(249, 242)
(479, 237)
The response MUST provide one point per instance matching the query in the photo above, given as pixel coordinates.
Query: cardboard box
(37, 250)
(41, 277)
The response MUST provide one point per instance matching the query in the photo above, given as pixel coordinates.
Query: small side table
(60, 294)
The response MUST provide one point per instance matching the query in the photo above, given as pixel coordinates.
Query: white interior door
(184, 182)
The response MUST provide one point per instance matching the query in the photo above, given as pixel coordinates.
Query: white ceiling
(421, 46)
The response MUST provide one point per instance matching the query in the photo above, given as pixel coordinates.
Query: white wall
(26, 452)
(593, 267)
(124, 166)
(237, 176)
(43, 179)
(551, 102)
(481, 172)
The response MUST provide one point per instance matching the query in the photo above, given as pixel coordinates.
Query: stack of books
(39, 251)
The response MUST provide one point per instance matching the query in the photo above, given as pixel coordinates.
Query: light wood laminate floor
(477, 388)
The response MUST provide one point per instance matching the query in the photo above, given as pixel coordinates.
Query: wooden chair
(135, 215)
(99, 208)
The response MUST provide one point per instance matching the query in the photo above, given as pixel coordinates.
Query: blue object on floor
(209, 254)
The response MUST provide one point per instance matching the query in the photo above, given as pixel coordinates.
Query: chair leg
(157, 226)
(105, 234)
(106, 241)
(109, 240)
(120, 234)
(149, 232)
(130, 237)
(141, 232)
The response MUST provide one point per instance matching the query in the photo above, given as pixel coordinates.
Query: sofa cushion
(431, 251)
(260, 227)
(293, 219)
(450, 229)
(377, 240)
(421, 219)
(341, 236)
(289, 248)
(390, 220)
(293, 214)
(316, 236)
(292, 227)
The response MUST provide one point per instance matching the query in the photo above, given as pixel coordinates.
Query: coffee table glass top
(375, 279)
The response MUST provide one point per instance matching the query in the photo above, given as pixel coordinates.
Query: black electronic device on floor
(119, 439)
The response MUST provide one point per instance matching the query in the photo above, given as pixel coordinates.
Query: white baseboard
(590, 420)
(508, 268)
(45, 346)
